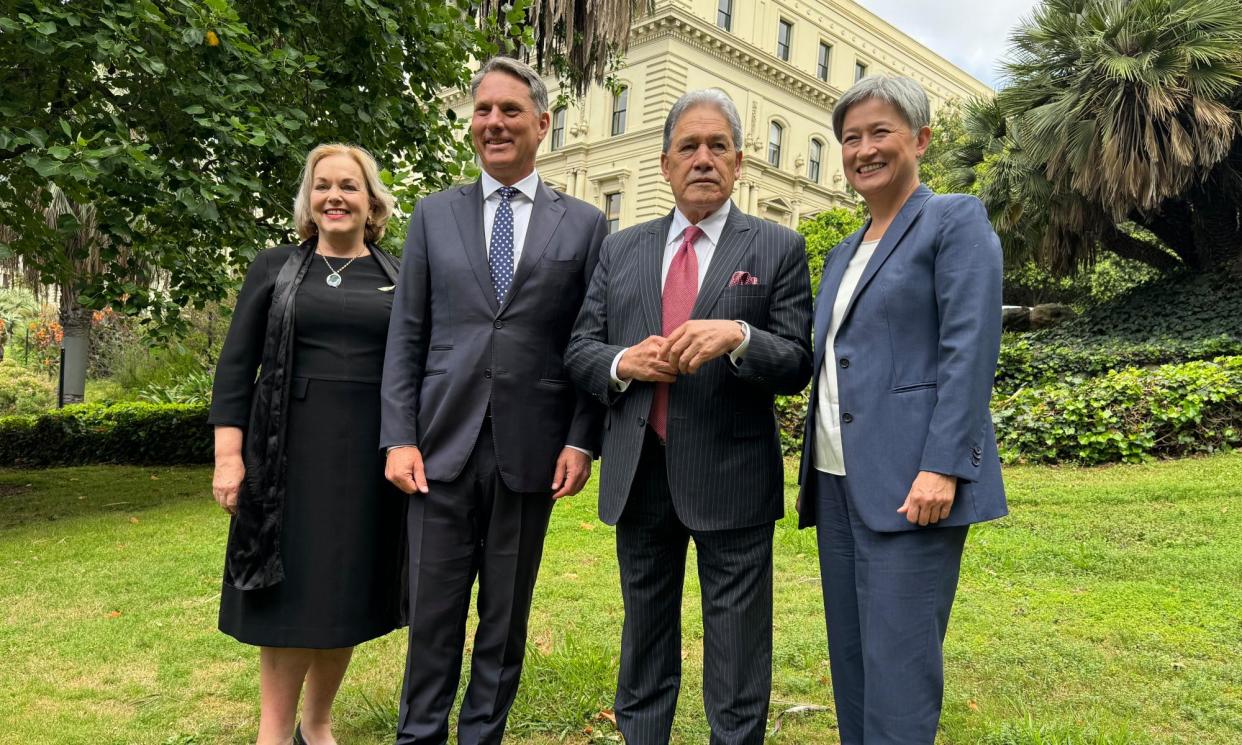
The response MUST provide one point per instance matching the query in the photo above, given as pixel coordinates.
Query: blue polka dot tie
(500, 254)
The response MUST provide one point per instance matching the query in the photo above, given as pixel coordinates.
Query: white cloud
(973, 35)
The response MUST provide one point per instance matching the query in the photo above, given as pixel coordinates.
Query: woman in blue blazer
(899, 456)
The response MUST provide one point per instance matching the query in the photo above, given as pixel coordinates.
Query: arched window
(620, 103)
(775, 135)
(558, 129)
(814, 159)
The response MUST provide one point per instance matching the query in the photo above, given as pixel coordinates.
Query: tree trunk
(75, 321)
(1216, 226)
(1173, 225)
(1128, 247)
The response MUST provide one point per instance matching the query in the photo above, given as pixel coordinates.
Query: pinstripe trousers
(735, 574)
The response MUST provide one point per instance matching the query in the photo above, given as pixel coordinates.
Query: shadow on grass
(35, 496)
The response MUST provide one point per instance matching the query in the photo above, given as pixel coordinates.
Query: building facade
(783, 62)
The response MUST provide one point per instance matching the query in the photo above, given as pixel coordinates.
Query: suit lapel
(468, 211)
(650, 264)
(829, 286)
(734, 240)
(545, 216)
(892, 236)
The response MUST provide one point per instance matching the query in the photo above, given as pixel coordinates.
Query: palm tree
(1118, 114)
(577, 39)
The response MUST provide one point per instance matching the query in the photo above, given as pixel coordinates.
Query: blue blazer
(915, 360)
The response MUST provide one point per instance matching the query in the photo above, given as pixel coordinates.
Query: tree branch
(1128, 247)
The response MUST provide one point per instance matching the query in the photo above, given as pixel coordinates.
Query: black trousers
(735, 575)
(473, 526)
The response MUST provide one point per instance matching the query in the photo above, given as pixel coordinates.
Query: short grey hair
(519, 70)
(903, 94)
(705, 97)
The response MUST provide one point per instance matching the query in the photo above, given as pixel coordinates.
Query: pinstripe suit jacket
(724, 456)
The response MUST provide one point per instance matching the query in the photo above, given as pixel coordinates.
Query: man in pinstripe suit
(691, 325)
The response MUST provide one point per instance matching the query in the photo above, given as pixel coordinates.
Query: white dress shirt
(829, 456)
(522, 203)
(704, 248)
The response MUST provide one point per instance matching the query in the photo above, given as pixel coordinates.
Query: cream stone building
(783, 62)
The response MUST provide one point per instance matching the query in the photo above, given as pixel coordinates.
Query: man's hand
(930, 498)
(695, 343)
(645, 361)
(573, 468)
(226, 481)
(404, 469)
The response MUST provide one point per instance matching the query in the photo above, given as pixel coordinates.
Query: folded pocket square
(743, 278)
(389, 288)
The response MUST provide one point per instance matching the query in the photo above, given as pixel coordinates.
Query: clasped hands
(660, 359)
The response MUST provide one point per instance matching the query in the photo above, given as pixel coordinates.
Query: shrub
(138, 433)
(1025, 362)
(823, 232)
(23, 391)
(195, 388)
(1127, 416)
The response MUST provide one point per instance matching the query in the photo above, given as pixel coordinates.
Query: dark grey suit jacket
(453, 351)
(915, 359)
(724, 455)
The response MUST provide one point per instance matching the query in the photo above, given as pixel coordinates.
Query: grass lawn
(1107, 609)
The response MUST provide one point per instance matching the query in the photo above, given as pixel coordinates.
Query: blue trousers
(887, 598)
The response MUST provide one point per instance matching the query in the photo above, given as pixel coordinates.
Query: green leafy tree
(149, 149)
(824, 231)
(1118, 129)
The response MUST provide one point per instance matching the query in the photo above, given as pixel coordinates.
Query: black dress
(342, 541)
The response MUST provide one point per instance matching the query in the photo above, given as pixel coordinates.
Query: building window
(860, 71)
(558, 129)
(816, 156)
(620, 102)
(775, 135)
(724, 14)
(784, 33)
(612, 210)
(821, 67)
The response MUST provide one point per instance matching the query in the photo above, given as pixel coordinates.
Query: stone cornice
(678, 24)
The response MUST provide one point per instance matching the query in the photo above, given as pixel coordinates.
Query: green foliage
(23, 391)
(194, 388)
(824, 231)
(183, 126)
(1027, 283)
(139, 433)
(1127, 416)
(1185, 307)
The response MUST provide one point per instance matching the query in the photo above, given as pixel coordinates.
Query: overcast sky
(972, 34)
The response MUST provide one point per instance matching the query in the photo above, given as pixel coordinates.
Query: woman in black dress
(316, 548)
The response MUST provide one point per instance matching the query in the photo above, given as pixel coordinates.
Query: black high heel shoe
(297, 735)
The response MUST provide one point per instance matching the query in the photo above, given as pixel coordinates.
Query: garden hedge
(139, 433)
(1129, 415)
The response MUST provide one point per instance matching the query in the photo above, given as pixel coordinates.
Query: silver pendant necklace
(334, 278)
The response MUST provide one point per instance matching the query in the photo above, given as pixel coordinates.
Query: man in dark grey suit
(692, 324)
(483, 428)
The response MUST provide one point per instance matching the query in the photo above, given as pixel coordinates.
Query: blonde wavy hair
(382, 201)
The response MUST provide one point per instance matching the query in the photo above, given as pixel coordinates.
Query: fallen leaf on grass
(797, 709)
(114, 614)
(972, 705)
(607, 715)
(587, 526)
(134, 520)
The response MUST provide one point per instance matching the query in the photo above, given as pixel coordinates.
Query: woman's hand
(226, 482)
(930, 498)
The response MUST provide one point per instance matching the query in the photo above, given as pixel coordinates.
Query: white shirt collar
(528, 186)
(712, 225)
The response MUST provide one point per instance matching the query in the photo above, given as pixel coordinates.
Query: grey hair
(705, 97)
(519, 70)
(903, 94)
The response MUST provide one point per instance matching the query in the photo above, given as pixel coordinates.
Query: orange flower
(212, 39)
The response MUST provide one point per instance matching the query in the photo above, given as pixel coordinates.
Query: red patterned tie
(681, 287)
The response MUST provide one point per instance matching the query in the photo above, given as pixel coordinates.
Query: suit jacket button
(487, 373)
(498, 325)
(845, 362)
(847, 417)
(642, 422)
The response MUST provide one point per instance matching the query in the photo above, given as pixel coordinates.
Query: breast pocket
(744, 303)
